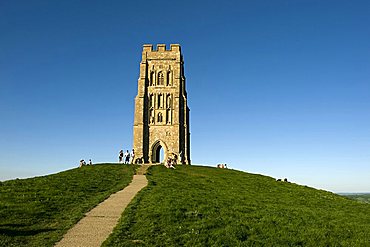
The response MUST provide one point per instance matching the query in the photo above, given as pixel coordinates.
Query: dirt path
(97, 224)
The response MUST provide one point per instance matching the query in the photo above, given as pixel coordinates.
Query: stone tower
(161, 113)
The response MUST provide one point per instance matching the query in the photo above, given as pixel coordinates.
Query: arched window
(152, 79)
(168, 116)
(160, 101)
(151, 100)
(169, 82)
(151, 116)
(168, 101)
(160, 118)
(160, 78)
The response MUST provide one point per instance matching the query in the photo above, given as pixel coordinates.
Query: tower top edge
(161, 47)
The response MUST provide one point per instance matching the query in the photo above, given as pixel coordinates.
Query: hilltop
(188, 206)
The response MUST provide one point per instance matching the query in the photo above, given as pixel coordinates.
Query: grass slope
(202, 206)
(38, 211)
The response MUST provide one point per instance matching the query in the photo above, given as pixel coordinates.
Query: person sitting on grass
(174, 159)
(82, 163)
(169, 163)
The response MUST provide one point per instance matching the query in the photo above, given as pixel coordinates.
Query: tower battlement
(161, 48)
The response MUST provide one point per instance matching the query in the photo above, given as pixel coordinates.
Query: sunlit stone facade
(161, 112)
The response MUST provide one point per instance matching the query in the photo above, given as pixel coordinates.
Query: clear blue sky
(279, 88)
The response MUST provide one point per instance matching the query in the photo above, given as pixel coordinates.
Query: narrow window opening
(160, 78)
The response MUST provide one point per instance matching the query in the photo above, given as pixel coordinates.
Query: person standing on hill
(127, 157)
(120, 156)
(132, 156)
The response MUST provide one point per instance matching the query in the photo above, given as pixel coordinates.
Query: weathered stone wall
(161, 111)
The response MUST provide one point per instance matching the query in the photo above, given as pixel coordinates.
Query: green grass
(38, 211)
(202, 206)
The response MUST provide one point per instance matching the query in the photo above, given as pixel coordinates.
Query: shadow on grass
(22, 232)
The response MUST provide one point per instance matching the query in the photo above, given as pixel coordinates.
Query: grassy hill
(189, 206)
(202, 206)
(38, 211)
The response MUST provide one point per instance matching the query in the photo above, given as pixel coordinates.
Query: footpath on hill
(205, 206)
(97, 224)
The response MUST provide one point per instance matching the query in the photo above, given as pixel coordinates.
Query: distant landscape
(362, 197)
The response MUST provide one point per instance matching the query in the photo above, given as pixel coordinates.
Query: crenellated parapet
(161, 48)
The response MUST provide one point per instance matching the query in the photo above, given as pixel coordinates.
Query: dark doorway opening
(159, 154)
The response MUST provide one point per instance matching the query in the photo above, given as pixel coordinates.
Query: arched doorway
(158, 152)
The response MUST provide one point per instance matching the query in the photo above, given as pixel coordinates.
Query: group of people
(222, 166)
(285, 180)
(129, 158)
(83, 163)
(126, 158)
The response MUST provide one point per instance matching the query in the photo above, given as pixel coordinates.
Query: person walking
(127, 157)
(120, 156)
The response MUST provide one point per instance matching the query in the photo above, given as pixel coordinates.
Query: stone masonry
(161, 112)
